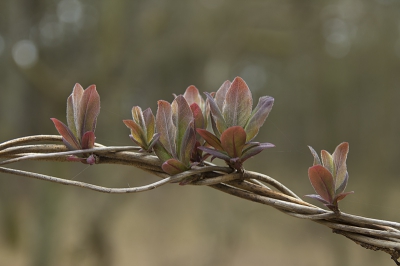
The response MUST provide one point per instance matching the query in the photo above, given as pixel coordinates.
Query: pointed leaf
(233, 140)
(327, 162)
(73, 102)
(89, 110)
(165, 127)
(238, 104)
(219, 120)
(315, 155)
(258, 116)
(69, 138)
(322, 181)
(173, 167)
(210, 138)
(150, 123)
(339, 159)
(221, 94)
(215, 153)
(256, 149)
(88, 140)
(136, 132)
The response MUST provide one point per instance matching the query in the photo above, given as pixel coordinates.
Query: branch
(369, 233)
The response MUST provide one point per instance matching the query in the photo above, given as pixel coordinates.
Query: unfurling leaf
(330, 178)
(177, 137)
(142, 128)
(83, 108)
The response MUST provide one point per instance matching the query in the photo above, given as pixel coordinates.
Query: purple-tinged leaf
(318, 197)
(220, 95)
(173, 167)
(199, 121)
(258, 116)
(161, 152)
(339, 159)
(69, 139)
(150, 123)
(238, 104)
(192, 96)
(315, 155)
(233, 140)
(89, 110)
(342, 196)
(165, 127)
(322, 181)
(136, 132)
(210, 138)
(215, 153)
(73, 102)
(184, 120)
(138, 118)
(187, 145)
(327, 162)
(88, 140)
(219, 120)
(341, 187)
(254, 150)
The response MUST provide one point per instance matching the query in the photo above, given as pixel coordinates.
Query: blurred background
(333, 68)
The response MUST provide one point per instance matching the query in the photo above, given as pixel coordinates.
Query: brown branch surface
(369, 233)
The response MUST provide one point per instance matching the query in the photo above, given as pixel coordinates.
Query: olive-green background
(333, 68)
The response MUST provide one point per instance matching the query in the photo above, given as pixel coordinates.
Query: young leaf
(88, 140)
(192, 96)
(138, 118)
(73, 109)
(210, 138)
(165, 126)
(238, 104)
(150, 123)
(215, 153)
(68, 137)
(322, 181)
(221, 93)
(161, 152)
(187, 145)
(258, 116)
(199, 121)
(217, 117)
(137, 133)
(315, 155)
(173, 167)
(184, 118)
(233, 140)
(89, 110)
(254, 150)
(327, 161)
(339, 158)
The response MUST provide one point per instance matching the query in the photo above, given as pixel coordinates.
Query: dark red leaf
(233, 140)
(69, 138)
